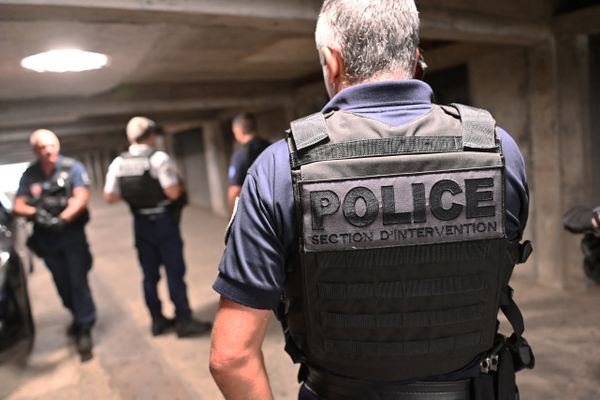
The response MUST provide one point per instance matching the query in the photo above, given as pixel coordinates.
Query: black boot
(72, 330)
(189, 327)
(83, 340)
(160, 324)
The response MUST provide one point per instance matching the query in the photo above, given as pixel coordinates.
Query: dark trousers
(68, 258)
(158, 242)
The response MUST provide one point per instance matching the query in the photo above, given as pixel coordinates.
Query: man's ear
(417, 71)
(332, 60)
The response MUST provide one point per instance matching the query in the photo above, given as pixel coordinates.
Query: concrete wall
(499, 82)
(190, 154)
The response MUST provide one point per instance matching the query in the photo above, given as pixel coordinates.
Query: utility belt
(496, 380)
(332, 387)
(151, 213)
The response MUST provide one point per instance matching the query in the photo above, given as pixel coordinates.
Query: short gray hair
(375, 37)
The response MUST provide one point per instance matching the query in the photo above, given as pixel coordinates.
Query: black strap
(478, 127)
(309, 130)
(511, 310)
(522, 353)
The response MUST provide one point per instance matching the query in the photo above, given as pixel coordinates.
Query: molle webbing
(402, 289)
(380, 147)
(402, 249)
(403, 320)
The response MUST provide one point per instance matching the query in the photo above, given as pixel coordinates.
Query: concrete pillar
(86, 159)
(545, 181)
(576, 153)
(98, 172)
(561, 154)
(216, 166)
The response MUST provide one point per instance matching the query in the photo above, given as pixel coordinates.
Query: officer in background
(382, 232)
(243, 126)
(147, 179)
(54, 193)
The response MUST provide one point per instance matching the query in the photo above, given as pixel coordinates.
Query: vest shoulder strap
(309, 131)
(478, 127)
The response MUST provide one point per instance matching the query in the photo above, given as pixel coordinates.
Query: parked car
(16, 323)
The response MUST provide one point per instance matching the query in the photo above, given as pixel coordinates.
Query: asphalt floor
(563, 327)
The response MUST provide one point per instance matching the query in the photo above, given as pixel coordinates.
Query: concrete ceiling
(193, 59)
(188, 59)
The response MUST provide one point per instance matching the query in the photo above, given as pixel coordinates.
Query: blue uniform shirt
(263, 233)
(34, 175)
(242, 159)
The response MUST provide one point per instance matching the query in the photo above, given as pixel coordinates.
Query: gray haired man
(382, 232)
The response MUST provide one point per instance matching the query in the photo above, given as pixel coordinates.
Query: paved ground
(563, 327)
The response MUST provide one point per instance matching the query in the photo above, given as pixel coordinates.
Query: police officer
(54, 192)
(382, 232)
(243, 127)
(147, 179)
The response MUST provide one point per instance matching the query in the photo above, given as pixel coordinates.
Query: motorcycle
(578, 220)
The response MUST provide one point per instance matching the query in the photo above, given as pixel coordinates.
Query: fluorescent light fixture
(65, 60)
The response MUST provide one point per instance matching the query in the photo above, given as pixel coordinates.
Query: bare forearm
(23, 209)
(112, 198)
(247, 381)
(173, 192)
(236, 358)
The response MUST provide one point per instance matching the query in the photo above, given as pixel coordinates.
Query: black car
(16, 323)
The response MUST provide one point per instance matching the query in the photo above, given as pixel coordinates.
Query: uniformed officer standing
(243, 127)
(147, 179)
(383, 233)
(54, 192)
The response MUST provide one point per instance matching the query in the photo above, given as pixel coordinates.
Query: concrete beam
(289, 15)
(583, 21)
(298, 16)
(13, 135)
(457, 54)
(61, 112)
(304, 9)
(473, 27)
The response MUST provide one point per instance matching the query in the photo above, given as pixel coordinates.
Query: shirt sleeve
(517, 189)
(262, 232)
(79, 176)
(165, 169)
(111, 184)
(23, 189)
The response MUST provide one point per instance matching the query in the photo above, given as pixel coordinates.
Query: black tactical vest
(402, 251)
(138, 188)
(57, 190)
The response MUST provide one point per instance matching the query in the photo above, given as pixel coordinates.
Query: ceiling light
(65, 60)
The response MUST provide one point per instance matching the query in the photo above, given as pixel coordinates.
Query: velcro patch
(403, 210)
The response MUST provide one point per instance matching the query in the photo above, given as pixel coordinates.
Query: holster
(498, 368)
